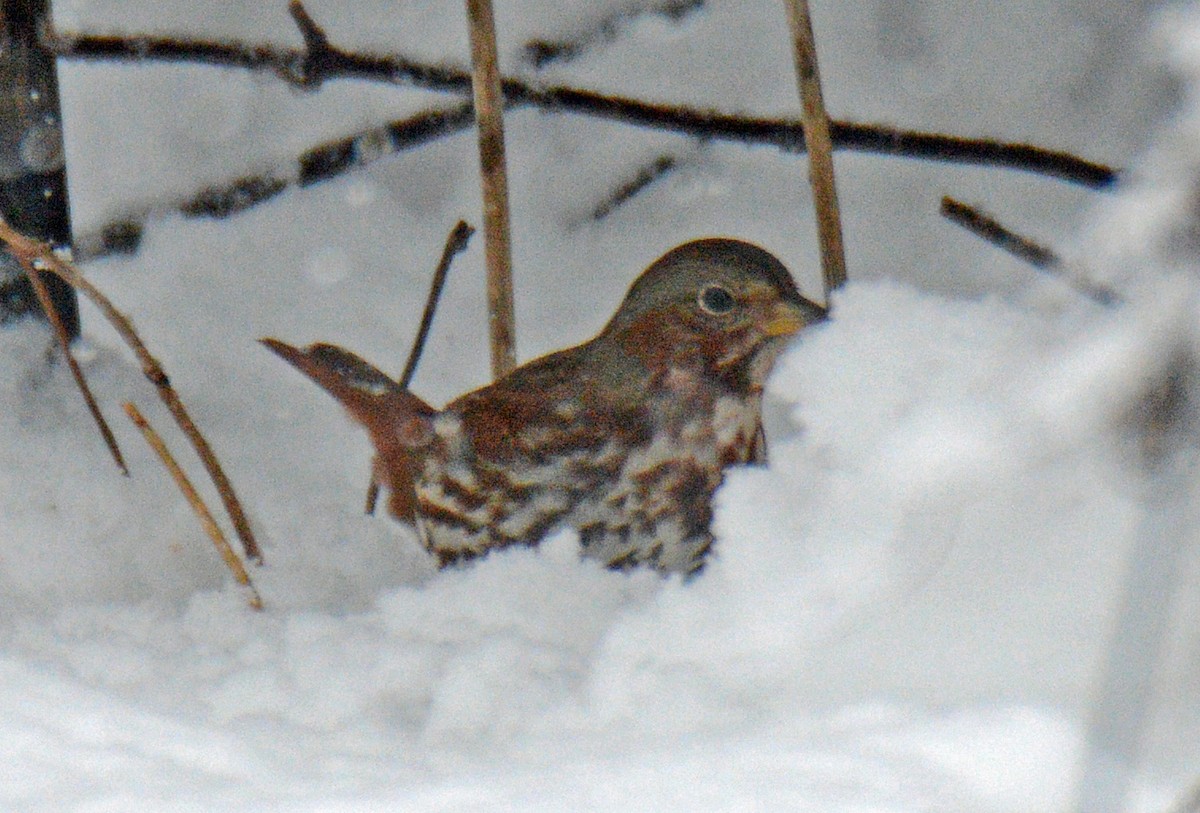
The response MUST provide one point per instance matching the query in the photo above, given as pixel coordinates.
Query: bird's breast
(637, 485)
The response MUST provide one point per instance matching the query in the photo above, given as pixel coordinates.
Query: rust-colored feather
(399, 423)
(625, 437)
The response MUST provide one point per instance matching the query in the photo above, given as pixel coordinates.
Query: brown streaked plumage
(624, 437)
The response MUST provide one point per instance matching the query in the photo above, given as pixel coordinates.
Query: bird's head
(721, 304)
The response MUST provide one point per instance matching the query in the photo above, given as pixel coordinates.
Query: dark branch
(645, 176)
(241, 194)
(984, 225)
(319, 56)
(321, 163)
(785, 134)
(456, 243)
(539, 52)
(329, 160)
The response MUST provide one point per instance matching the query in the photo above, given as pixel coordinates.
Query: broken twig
(319, 55)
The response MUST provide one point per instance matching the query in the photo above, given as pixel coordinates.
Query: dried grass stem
(196, 502)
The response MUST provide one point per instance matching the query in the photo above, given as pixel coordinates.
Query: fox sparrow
(624, 437)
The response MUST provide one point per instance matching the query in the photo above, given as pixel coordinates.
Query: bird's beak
(784, 319)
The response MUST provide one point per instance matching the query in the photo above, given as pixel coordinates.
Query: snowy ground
(908, 609)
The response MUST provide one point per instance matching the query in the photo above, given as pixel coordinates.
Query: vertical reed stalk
(820, 146)
(489, 113)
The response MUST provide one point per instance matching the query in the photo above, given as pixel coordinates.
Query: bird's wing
(550, 407)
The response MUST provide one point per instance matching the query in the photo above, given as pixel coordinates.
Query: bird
(624, 438)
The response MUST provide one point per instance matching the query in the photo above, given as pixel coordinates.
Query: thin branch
(785, 134)
(456, 242)
(820, 146)
(315, 165)
(984, 225)
(331, 159)
(64, 341)
(645, 176)
(493, 174)
(539, 53)
(372, 501)
(194, 500)
(29, 250)
(319, 56)
(241, 194)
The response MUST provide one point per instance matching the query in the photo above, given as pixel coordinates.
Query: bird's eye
(717, 300)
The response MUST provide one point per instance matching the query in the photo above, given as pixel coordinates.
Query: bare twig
(820, 146)
(645, 176)
(329, 160)
(194, 500)
(784, 134)
(540, 53)
(29, 250)
(319, 56)
(984, 225)
(318, 164)
(64, 341)
(373, 489)
(493, 173)
(456, 242)
(336, 157)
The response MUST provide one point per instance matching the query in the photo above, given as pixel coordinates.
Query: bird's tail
(400, 424)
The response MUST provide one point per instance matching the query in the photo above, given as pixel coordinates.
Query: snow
(908, 609)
